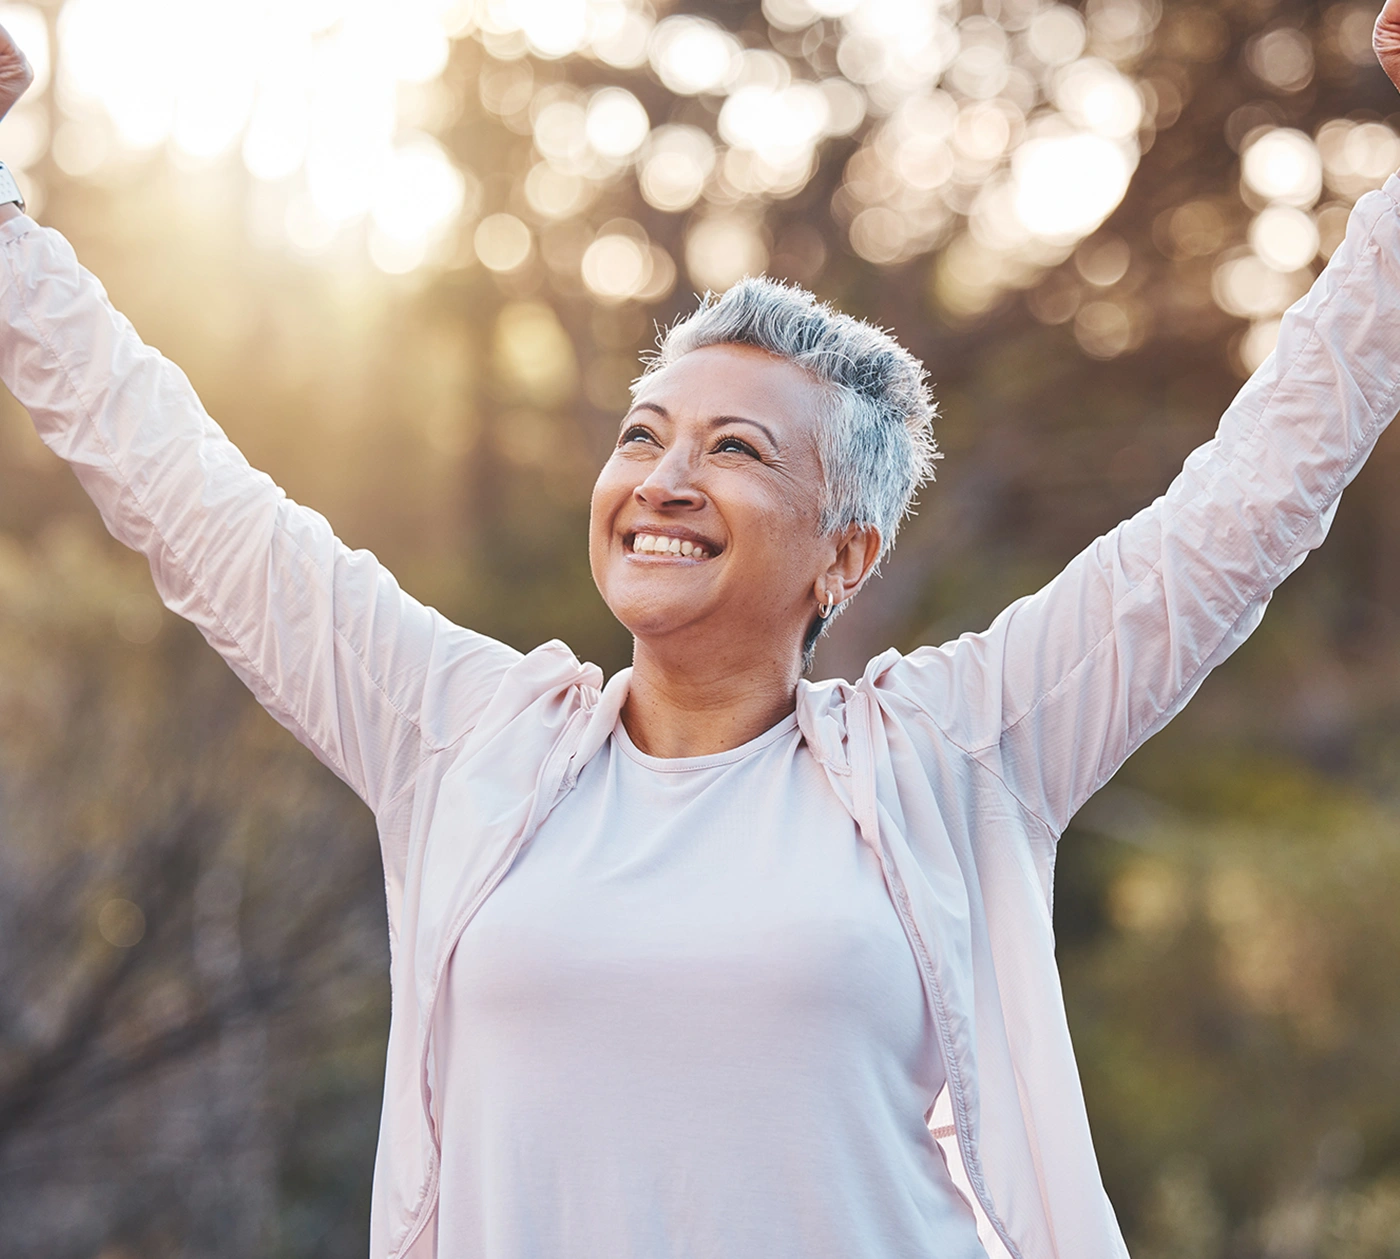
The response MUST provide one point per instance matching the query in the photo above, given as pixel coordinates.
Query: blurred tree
(190, 973)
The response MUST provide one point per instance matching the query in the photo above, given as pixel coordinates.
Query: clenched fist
(1386, 40)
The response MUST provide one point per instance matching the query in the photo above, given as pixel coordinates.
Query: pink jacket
(961, 765)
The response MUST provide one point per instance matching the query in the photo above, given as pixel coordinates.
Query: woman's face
(705, 520)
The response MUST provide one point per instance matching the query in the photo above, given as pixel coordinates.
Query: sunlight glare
(30, 31)
(420, 193)
(275, 143)
(24, 136)
(306, 87)
(415, 46)
(213, 91)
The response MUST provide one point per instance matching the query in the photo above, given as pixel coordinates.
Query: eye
(635, 433)
(735, 445)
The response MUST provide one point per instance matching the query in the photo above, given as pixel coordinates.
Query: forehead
(736, 380)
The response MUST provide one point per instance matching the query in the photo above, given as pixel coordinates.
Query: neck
(677, 708)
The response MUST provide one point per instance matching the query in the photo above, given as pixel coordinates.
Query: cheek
(793, 517)
(605, 493)
(610, 492)
(794, 550)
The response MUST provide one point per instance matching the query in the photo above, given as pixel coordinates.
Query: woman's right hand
(15, 72)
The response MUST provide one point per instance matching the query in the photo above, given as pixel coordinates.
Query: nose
(670, 483)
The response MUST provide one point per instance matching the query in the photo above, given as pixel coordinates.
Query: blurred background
(409, 252)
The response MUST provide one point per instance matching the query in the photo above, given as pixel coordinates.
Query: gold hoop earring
(828, 607)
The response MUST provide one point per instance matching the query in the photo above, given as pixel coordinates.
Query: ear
(857, 550)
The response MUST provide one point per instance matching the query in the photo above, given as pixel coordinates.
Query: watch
(9, 189)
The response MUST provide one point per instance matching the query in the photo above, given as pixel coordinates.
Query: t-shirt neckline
(684, 764)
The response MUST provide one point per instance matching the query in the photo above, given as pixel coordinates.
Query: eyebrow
(716, 421)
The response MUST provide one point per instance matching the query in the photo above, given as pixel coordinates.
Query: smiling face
(705, 529)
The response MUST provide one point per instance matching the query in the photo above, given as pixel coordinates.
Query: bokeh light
(1282, 58)
(1056, 35)
(1258, 343)
(1002, 137)
(1094, 95)
(1067, 185)
(1282, 164)
(1284, 237)
(678, 160)
(534, 356)
(552, 28)
(615, 123)
(1246, 286)
(502, 242)
(1357, 156)
(1021, 126)
(692, 55)
(722, 249)
(615, 266)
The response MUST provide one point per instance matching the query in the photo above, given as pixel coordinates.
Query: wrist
(9, 211)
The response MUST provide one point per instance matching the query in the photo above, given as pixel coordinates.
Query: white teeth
(653, 544)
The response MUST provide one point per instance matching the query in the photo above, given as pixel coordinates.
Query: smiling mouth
(659, 544)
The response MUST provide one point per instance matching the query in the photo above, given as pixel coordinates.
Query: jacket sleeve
(368, 678)
(1067, 682)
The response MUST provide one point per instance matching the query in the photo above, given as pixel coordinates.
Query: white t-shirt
(688, 1025)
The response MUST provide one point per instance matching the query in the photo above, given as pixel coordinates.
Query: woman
(689, 963)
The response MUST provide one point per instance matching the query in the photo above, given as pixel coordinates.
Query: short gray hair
(876, 438)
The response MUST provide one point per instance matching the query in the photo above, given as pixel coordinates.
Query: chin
(652, 622)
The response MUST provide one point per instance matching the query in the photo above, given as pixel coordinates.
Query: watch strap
(9, 188)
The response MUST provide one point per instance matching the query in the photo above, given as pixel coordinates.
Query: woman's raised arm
(1066, 683)
(367, 677)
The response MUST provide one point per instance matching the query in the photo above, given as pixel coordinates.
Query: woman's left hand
(15, 74)
(1386, 40)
